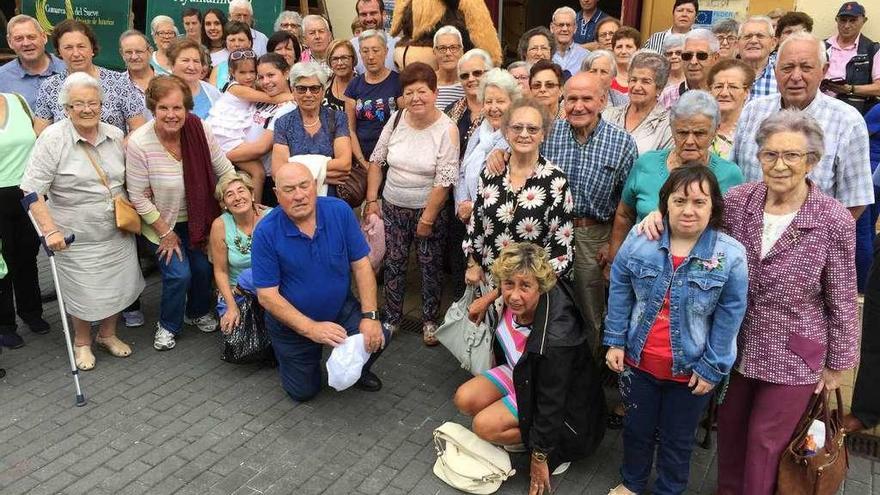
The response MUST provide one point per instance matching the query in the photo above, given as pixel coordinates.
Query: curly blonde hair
(524, 258)
(227, 180)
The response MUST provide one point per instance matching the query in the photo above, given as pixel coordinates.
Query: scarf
(198, 181)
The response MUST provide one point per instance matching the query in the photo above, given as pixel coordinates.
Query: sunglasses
(464, 76)
(240, 54)
(308, 89)
(701, 56)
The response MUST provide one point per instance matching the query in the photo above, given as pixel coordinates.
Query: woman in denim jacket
(674, 311)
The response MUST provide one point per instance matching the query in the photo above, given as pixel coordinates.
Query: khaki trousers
(588, 279)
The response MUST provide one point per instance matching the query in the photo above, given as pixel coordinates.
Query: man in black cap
(853, 61)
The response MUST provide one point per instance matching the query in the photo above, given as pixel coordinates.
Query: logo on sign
(50, 13)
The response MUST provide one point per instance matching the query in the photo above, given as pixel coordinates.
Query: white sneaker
(621, 490)
(163, 340)
(561, 468)
(133, 318)
(206, 323)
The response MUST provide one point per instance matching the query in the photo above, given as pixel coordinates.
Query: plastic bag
(346, 362)
(248, 342)
(374, 231)
(815, 439)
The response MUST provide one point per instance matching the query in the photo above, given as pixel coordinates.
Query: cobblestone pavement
(185, 422)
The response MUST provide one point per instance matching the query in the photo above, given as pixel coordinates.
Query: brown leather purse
(127, 218)
(822, 473)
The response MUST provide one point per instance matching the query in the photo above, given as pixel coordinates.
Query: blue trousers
(653, 405)
(299, 358)
(186, 284)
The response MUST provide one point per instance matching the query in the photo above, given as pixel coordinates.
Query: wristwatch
(539, 456)
(370, 315)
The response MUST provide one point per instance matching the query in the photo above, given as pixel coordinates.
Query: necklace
(243, 244)
(313, 124)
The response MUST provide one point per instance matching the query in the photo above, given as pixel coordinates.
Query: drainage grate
(411, 324)
(863, 445)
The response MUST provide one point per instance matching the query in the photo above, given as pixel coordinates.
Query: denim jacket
(707, 301)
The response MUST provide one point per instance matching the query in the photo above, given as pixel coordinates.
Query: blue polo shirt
(313, 274)
(14, 79)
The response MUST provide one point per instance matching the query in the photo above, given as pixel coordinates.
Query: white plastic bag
(346, 362)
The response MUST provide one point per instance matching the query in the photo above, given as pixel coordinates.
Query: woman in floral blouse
(530, 202)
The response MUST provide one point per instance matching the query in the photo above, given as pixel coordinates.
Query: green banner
(109, 19)
(265, 11)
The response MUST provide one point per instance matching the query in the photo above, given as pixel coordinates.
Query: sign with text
(265, 11)
(108, 19)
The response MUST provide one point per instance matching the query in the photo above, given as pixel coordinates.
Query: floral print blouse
(540, 212)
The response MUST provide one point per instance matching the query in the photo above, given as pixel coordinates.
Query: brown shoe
(429, 331)
(114, 346)
(852, 424)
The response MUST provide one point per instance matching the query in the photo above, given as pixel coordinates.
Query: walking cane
(26, 203)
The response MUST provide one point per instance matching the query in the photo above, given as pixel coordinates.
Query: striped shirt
(655, 41)
(447, 95)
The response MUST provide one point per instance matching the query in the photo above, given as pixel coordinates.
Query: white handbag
(467, 462)
(471, 344)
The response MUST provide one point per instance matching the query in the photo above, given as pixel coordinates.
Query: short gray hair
(519, 63)
(501, 79)
(302, 70)
(805, 36)
(21, 19)
(476, 53)
(564, 10)
(794, 121)
(694, 103)
(671, 41)
(701, 34)
(134, 32)
(728, 25)
(315, 18)
(288, 14)
(246, 4)
(78, 80)
(373, 33)
(162, 19)
(759, 19)
(594, 55)
(447, 30)
(653, 61)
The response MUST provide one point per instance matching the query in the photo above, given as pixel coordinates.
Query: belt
(587, 222)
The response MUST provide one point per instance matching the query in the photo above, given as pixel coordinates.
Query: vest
(858, 72)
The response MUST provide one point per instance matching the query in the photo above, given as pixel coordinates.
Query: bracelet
(371, 201)
(166, 234)
(422, 220)
(852, 89)
(56, 231)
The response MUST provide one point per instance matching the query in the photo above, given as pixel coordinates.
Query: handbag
(468, 463)
(822, 472)
(248, 342)
(353, 190)
(127, 218)
(471, 344)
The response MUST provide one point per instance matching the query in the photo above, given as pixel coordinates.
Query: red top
(656, 357)
(616, 85)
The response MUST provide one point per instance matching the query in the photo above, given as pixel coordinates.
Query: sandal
(113, 345)
(429, 331)
(83, 357)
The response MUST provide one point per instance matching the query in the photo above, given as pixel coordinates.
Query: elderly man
(317, 37)
(853, 61)
(844, 171)
(135, 50)
(371, 14)
(757, 40)
(569, 55)
(727, 32)
(243, 11)
(585, 24)
(32, 64)
(304, 254)
(699, 55)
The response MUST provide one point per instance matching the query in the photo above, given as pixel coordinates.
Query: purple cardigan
(802, 313)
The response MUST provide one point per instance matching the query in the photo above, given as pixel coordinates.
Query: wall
(823, 12)
(341, 13)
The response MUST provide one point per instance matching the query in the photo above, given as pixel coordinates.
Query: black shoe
(369, 382)
(11, 340)
(38, 325)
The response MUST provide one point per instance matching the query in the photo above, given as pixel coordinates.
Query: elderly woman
(545, 395)
(520, 71)
(313, 129)
(545, 82)
(602, 63)
(75, 42)
(186, 64)
(79, 164)
(684, 15)
(237, 37)
(642, 117)
(536, 44)
(420, 150)
(231, 237)
(342, 61)
(605, 29)
(291, 22)
(371, 98)
(694, 120)
(172, 166)
(529, 202)
(447, 52)
(164, 31)
(467, 111)
(729, 82)
(214, 36)
(286, 45)
(673, 45)
(624, 45)
(647, 320)
(727, 33)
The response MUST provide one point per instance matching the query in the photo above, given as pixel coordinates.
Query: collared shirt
(596, 170)
(311, 273)
(765, 83)
(14, 79)
(141, 94)
(838, 57)
(670, 94)
(585, 29)
(260, 42)
(844, 171)
(802, 313)
(655, 41)
(390, 41)
(652, 133)
(572, 59)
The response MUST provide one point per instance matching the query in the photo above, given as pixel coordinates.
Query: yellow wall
(823, 12)
(341, 13)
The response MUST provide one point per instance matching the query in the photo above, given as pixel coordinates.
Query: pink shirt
(838, 58)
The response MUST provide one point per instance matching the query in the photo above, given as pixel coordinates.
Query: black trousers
(866, 400)
(20, 245)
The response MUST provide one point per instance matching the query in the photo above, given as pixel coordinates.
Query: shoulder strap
(397, 119)
(98, 170)
(25, 107)
(331, 122)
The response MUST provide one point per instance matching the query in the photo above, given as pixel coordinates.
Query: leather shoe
(37, 325)
(11, 340)
(369, 382)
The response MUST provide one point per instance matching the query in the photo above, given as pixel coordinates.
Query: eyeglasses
(730, 38)
(165, 34)
(448, 48)
(768, 157)
(539, 48)
(701, 56)
(301, 90)
(673, 53)
(340, 58)
(518, 129)
(464, 76)
(134, 53)
(606, 34)
(717, 88)
(289, 25)
(79, 106)
(240, 54)
(543, 84)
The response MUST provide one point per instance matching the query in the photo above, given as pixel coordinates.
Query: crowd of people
(695, 207)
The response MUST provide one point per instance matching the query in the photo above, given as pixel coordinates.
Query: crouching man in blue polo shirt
(303, 255)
